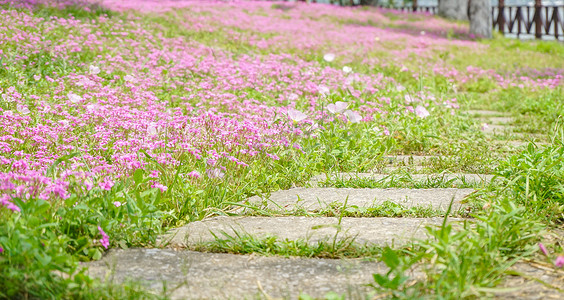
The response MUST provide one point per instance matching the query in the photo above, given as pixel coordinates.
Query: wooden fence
(538, 19)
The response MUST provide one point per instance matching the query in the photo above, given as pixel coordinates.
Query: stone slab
(453, 179)
(478, 112)
(498, 120)
(497, 129)
(198, 275)
(374, 231)
(313, 199)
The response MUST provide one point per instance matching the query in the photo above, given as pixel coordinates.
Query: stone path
(312, 199)
(198, 275)
(375, 231)
(227, 276)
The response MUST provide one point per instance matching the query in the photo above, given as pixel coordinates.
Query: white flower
(8, 113)
(296, 115)
(37, 77)
(408, 99)
(22, 109)
(129, 78)
(353, 116)
(46, 108)
(400, 88)
(376, 38)
(293, 97)
(7, 98)
(323, 90)
(91, 107)
(485, 126)
(64, 122)
(347, 69)
(421, 112)
(215, 173)
(422, 32)
(338, 107)
(152, 129)
(93, 70)
(329, 57)
(74, 98)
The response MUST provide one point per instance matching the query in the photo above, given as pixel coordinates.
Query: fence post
(414, 5)
(501, 16)
(538, 19)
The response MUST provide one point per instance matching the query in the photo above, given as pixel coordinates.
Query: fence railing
(538, 19)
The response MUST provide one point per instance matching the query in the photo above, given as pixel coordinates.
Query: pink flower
(118, 204)
(74, 98)
(160, 186)
(107, 184)
(543, 249)
(559, 262)
(1, 249)
(37, 77)
(105, 240)
(194, 174)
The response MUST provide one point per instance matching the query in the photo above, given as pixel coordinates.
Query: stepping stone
(497, 129)
(526, 288)
(410, 159)
(486, 113)
(388, 170)
(498, 120)
(453, 179)
(314, 199)
(229, 276)
(375, 231)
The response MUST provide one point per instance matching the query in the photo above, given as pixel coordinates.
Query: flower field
(122, 119)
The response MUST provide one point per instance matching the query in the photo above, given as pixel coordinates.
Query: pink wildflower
(160, 186)
(107, 184)
(194, 174)
(543, 249)
(105, 240)
(559, 262)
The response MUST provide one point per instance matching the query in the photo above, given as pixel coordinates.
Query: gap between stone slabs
(455, 179)
(314, 199)
(375, 231)
(229, 276)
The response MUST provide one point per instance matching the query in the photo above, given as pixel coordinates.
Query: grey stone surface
(498, 120)
(522, 287)
(453, 179)
(486, 113)
(376, 231)
(497, 129)
(226, 276)
(312, 199)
